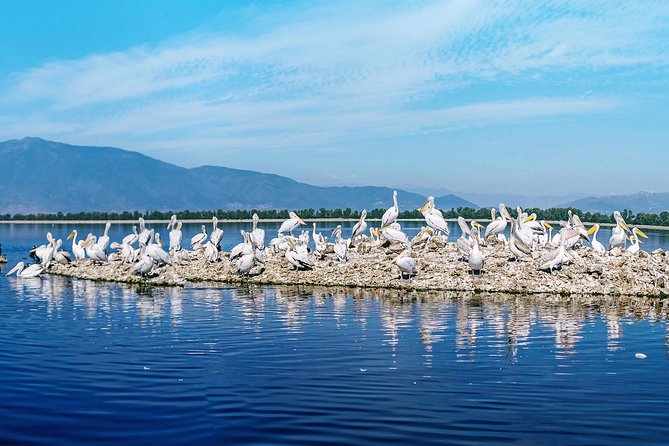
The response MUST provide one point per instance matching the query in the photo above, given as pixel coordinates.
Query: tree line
(551, 214)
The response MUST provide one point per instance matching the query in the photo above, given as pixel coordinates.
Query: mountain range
(653, 203)
(45, 176)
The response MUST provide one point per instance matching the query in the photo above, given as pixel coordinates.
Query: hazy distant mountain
(45, 176)
(639, 202)
(543, 201)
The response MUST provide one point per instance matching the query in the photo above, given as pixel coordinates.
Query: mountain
(640, 202)
(46, 176)
(450, 201)
(490, 200)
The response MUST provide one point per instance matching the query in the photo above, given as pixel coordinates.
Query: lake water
(89, 363)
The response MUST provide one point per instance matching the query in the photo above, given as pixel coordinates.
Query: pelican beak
(547, 226)
(627, 237)
(530, 218)
(301, 221)
(624, 226)
(638, 231)
(425, 206)
(71, 235)
(477, 224)
(592, 230)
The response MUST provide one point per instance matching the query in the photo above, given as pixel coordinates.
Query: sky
(527, 97)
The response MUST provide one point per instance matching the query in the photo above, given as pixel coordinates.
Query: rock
(658, 251)
(595, 268)
(643, 254)
(3, 259)
(616, 252)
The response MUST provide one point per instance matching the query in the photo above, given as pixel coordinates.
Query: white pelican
(173, 221)
(496, 225)
(131, 238)
(289, 225)
(243, 248)
(216, 233)
(156, 251)
(341, 249)
(618, 238)
(476, 257)
(103, 241)
(518, 249)
(406, 264)
(175, 237)
(634, 238)
(127, 253)
(434, 218)
(60, 256)
(26, 273)
(394, 234)
(93, 250)
(360, 227)
(257, 234)
(596, 245)
(336, 233)
(245, 264)
(143, 232)
(546, 236)
(199, 238)
(210, 252)
(77, 247)
(392, 213)
(320, 242)
(298, 256)
(462, 242)
(553, 259)
(145, 264)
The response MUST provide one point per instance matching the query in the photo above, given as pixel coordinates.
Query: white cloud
(339, 73)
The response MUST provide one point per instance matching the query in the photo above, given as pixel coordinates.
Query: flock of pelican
(146, 251)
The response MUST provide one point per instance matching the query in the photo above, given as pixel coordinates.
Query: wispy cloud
(338, 73)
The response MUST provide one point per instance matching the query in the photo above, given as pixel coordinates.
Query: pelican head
(531, 217)
(504, 211)
(214, 221)
(638, 232)
(594, 229)
(429, 204)
(72, 234)
(546, 225)
(620, 221)
(173, 221)
(293, 215)
(17, 269)
(363, 214)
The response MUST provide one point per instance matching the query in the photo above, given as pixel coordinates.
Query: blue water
(89, 363)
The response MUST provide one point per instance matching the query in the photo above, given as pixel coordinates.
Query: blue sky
(470, 96)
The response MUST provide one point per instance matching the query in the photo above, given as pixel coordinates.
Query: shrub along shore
(551, 214)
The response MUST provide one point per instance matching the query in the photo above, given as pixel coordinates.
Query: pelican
(103, 241)
(618, 238)
(26, 273)
(634, 238)
(145, 264)
(131, 238)
(320, 242)
(476, 257)
(93, 250)
(433, 217)
(257, 234)
(392, 213)
(289, 225)
(155, 250)
(298, 256)
(210, 252)
(199, 238)
(462, 242)
(497, 225)
(596, 245)
(245, 264)
(360, 227)
(336, 233)
(518, 249)
(175, 237)
(394, 234)
(406, 264)
(127, 253)
(77, 247)
(216, 233)
(553, 259)
(545, 237)
(143, 232)
(62, 257)
(243, 248)
(173, 221)
(341, 249)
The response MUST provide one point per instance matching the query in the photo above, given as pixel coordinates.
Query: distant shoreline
(272, 220)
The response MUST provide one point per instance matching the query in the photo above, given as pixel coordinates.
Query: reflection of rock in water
(584, 274)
